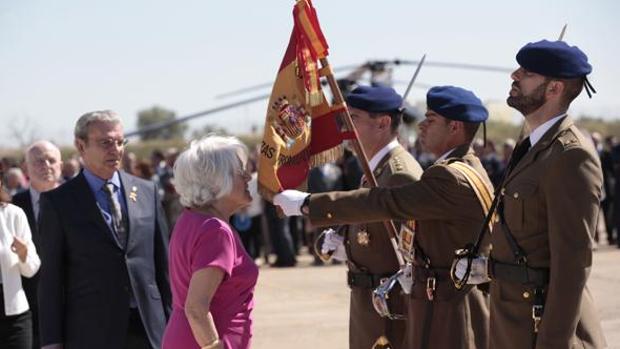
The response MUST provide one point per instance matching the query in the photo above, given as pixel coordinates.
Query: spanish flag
(301, 128)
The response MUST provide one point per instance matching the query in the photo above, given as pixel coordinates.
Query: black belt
(517, 273)
(365, 280)
(440, 274)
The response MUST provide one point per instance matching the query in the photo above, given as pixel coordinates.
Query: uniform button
(515, 195)
(526, 295)
(329, 215)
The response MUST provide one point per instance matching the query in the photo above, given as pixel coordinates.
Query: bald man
(43, 165)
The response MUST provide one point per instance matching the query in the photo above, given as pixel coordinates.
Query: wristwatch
(305, 206)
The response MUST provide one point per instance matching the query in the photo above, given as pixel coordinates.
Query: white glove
(340, 254)
(331, 241)
(478, 273)
(406, 279)
(290, 201)
(334, 242)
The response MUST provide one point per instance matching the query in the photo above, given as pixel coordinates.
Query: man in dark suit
(104, 281)
(43, 166)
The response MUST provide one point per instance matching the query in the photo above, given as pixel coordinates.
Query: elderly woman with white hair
(212, 277)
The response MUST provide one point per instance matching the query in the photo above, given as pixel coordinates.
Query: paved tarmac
(308, 306)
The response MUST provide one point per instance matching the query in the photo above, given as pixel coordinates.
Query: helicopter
(371, 71)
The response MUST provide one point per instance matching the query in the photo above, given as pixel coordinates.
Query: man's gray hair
(205, 171)
(81, 126)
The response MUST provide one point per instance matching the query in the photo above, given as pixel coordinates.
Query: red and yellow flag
(301, 130)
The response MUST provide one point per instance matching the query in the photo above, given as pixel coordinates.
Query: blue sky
(59, 59)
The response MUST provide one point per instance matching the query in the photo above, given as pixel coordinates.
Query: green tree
(209, 129)
(156, 115)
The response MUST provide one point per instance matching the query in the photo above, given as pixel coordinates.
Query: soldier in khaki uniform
(369, 253)
(447, 212)
(542, 244)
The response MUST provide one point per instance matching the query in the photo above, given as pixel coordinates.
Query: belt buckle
(431, 285)
(537, 311)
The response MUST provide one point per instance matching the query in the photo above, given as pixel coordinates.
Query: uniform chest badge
(363, 238)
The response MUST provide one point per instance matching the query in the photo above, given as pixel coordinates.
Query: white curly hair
(205, 171)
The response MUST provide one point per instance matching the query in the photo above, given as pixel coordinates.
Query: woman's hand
(20, 249)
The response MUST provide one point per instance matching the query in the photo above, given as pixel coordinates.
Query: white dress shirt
(540, 131)
(444, 156)
(13, 223)
(374, 162)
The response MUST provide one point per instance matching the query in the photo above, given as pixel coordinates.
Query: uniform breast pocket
(522, 208)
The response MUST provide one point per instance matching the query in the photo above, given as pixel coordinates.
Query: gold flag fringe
(329, 155)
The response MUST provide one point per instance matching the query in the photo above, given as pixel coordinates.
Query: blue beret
(375, 99)
(456, 103)
(554, 59)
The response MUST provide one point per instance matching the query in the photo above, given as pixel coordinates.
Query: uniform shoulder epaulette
(396, 164)
(569, 139)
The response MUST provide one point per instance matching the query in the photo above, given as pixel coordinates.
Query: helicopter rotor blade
(169, 123)
(380, 64)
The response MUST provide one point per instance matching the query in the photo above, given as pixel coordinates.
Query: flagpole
(327, 72)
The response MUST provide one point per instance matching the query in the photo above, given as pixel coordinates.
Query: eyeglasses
(110, 142)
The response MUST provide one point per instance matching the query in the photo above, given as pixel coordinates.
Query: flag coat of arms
(301, 128)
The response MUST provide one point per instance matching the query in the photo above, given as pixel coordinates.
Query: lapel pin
(134, 193)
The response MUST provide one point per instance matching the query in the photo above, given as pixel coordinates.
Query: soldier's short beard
(529, 104)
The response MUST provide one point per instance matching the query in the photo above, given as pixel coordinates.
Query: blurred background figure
(247, 221)
(15, 181)
(43, 165)
(129, 162)
(144, 170)
(609, 184)
(491, 162)
(70, 168)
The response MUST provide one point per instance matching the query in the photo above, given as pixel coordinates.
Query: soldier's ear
(555, 88)
(385, 121)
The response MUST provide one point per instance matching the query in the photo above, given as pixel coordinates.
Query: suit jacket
(448, 216)
(377, 257)
(551, 206)
(86, 278)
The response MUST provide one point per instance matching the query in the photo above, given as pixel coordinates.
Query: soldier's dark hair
(395, 116)
(471, 128)
(572, 89)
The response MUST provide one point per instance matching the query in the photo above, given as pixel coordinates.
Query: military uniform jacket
(448, 215)
(369, 250)
(551, 204)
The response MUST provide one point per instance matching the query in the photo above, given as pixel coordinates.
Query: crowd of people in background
(265, 235)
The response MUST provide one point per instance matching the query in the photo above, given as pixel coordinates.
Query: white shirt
(444, 156)
(13, 223)
(540, 131)
(374, 162)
